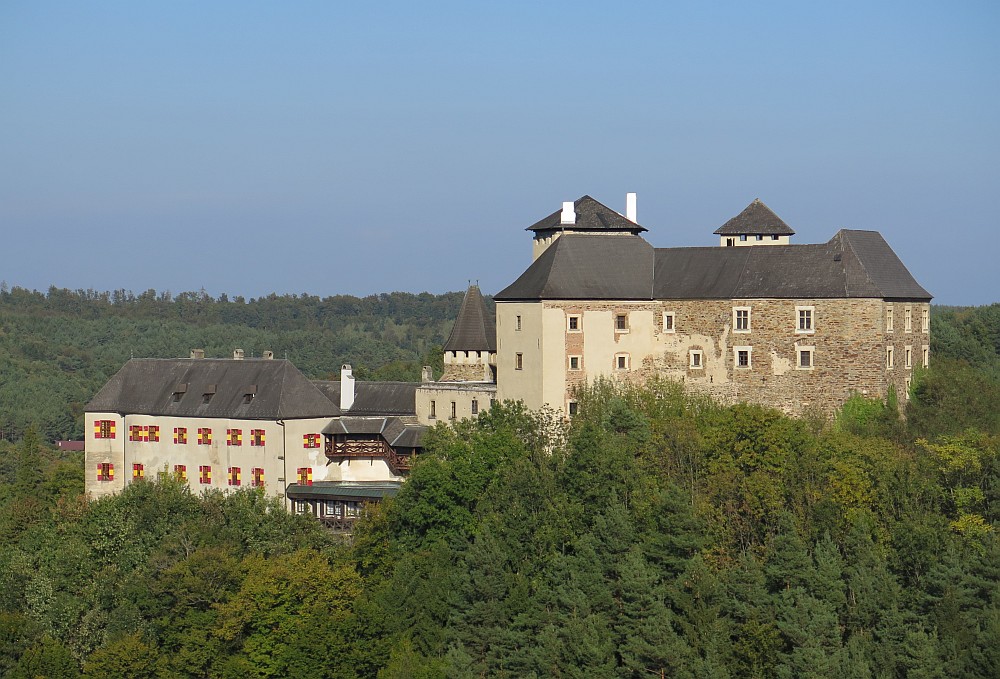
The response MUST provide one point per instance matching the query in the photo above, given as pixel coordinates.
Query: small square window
(621, 323)
(805, 361)
(668, 321)
(138, 472)
(181, 472)
(621, 361)
(741, 357)
(234, 437)
(181, 436)
(106, 471)
(235, 476)
(774, 237)
(205, 474)
(257, 437)
(574, 362)
(574, 323)
(760, 237)
(697, 358)
(572, 408)
(305, 475)
(257, 479)
(743, 237)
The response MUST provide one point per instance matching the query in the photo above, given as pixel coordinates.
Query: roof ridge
(848, 245)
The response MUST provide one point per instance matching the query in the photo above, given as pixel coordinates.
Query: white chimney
(630, 207)
(568, 213)
(427, 374)
(269, 355)
(238, 354)
(346, 388)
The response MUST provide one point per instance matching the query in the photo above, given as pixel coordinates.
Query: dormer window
(179, 392)
(249, 394)
(206, 397)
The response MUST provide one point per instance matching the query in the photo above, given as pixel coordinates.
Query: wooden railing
(353, 448)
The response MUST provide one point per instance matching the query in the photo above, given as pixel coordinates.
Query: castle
(795, 327)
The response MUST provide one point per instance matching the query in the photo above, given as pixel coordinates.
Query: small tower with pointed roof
(585, 215)
(470, 354)
(756, 225)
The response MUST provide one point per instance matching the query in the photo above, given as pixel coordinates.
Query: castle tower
(470, 354)
(585, 215)
(756, 225)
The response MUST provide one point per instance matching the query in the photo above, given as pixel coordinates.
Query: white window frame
(890, 358)
(618, 315)
(669, 319)
(925, 320)
(908, 357)
(736, 358)
(692, 364)
(908, 382)
(579, 363)
(925, 355)
(799, 350)
(908, 319)
(811, 311)
(618, 362)
(579, 322)
(571, 408)
(736, 311)
(889, 325)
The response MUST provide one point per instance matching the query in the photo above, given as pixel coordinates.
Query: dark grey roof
(590, 216)
(395, 431)
(475, 328)
(587, 266)
(344, 490)
(756, 218)
(147, 386)
(851, 264)
(374, 398)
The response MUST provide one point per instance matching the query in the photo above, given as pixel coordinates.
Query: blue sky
(334, 147)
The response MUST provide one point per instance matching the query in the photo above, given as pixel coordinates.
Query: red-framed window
(257, 478)
(136, 433)
(138, 472)
(256, 437)
(310, 440)
(305, 475)
(153, 433)
(106, 471)
(104, 429)
(204, 436)
(181, 472)
(205, 474)
(180, 436)
(235, 477)
(234, 437)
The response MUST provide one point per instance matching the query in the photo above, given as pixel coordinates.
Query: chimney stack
(237, 354)
(427, 374)
(568, 213)
(630, 207)
(269, 355)
(346, 388)
(197, 353)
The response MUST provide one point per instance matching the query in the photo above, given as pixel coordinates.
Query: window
(453, 410)
(180, 436)
(621, 323)
(908, 357)
(234, 437)
(621, 361)
(518, 361)
(475, 407)
(305, 475)
(256, 437)
(574, 362)
(888, 318)
(774, 238)
(106, 471)
(908, 381)
(907, 319)
(517, 323)
(234, 476)
(310, 440)
(301, 507)
(136, 433)
(138, 472)
(925, 320)
(696, 359)
(205, 474)
(204, 436)
(572, 408)
(104, 429)
(743, 237)
(181, 472)
(741, 357)
(890, 360)
(760, 237)
(153, 433)
(741, 319)
(805, 360)
(257, 477)
(668, 321)
(433, 414)
(926, 356)
(804, 319)
(574, 323)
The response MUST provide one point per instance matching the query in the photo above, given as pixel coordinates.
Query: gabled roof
(177, 387)
(590, 216)
(475, 328)
(374, 398)
(756, 218)
(394, 430)
(851, 264)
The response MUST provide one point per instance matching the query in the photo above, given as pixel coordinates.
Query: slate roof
(756, 218)
(147, 386)
(851, 264)
(590, 216)
(475, 328)
(346, 490)
(395, 431)
(374, 398)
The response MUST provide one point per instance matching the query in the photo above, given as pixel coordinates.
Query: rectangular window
(621, 361)
(153, 433)
(136, 433)
(574, 362)
(180, 436)
(475, 407)
(256, 437)
(743, 237)
(907, 319)
(696, 359)
(890, 360)
(621, 323)
(908, 357)
(574, 323)
(742, 357)
(888, 318)
(204, 436)
(518, 361)
(310, 440)
(926, 356)
(908, 382)
(234, 437)
(106, 471)
(741, 319)
(668, 321)
(805, 361)
(181, 472)
(804, 319)
(572, 408)
(104, 429)
(301, 507)
(235, 478)
(517, 323)
(453, 410)
(305, 476)
(433, 414)
(205, 474)
(925, 320)
(138, 472)
(257, 478)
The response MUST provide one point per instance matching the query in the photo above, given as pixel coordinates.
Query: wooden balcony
(368, 446)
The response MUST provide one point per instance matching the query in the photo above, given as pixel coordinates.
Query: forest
(654, 534)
